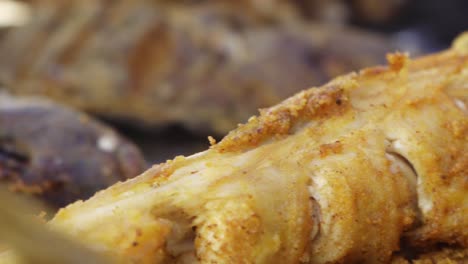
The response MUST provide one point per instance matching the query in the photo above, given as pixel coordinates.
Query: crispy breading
(356, 171)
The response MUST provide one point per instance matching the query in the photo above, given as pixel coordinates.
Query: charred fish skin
(58, 154)
(340, 173)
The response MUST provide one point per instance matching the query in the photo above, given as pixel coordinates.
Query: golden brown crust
(313, 103)
(279, 120)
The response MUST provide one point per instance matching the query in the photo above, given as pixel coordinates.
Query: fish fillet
(352, 172)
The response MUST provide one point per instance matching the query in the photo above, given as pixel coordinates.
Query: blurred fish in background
(206, 65)
(60, 155)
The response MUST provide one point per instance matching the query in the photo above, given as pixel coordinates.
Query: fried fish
(356, 171)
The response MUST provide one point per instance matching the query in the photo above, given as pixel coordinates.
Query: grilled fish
(207, 66)
(42, 145)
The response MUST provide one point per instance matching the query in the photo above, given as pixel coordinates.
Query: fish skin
(58, 154)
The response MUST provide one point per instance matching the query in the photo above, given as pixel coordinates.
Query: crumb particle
(212, 140)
